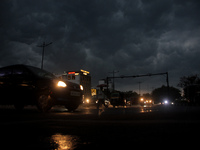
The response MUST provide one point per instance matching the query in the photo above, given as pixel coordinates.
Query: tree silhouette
(160, 94)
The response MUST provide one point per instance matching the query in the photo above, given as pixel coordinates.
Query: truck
(117, 99)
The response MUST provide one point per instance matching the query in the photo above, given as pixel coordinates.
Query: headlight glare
(81, 87)
(87, 101)
(61, 84)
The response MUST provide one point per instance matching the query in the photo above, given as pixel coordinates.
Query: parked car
(22, 85)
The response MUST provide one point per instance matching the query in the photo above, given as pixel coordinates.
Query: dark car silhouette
(117, 99)
(22, 85)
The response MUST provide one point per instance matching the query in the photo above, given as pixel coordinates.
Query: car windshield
(41, 73)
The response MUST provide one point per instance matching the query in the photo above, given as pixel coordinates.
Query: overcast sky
(130, 36)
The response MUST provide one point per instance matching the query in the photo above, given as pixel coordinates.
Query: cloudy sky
(130, 36)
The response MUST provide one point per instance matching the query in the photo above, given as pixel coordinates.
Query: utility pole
(43, 46)
(113, 72)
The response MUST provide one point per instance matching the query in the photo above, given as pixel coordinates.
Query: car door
(23, 85)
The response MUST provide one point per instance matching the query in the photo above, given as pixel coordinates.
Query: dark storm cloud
(134, 37)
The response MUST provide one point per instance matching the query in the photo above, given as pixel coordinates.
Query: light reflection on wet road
(89, 128)
(91, 109)
(64, 142)
(119, 110)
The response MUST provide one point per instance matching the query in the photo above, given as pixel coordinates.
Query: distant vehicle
(22, 85)
(165, 102)
(117, 99)
(144, 101)
(90, 102)
(87, 101)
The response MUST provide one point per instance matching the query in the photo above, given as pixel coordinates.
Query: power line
(143, 75)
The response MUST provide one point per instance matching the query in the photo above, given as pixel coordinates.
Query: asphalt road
(88, 128)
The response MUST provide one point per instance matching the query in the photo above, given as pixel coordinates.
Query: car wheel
(44, 103)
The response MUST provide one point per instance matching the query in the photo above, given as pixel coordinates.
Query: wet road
(88, 128)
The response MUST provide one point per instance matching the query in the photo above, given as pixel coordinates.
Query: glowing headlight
(166, 102)
(61, 84)
(81, 87)
(87, 101)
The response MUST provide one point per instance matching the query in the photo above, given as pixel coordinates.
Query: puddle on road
(66, 142)
(146, 109)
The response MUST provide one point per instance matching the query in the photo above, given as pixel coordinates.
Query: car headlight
(87, 101)
(61, 84)
(81, 87)
(166, 102)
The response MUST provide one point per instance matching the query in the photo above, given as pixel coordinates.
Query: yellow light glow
(87, 101)
(64, 142)
(81, 87)
(84, 71)
(61, 84)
